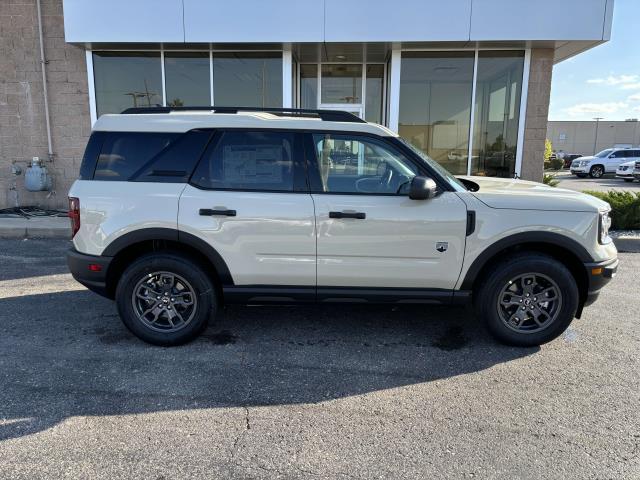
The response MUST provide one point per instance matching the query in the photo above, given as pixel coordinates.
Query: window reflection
(309, 86)
(435, 105)
(497, 111)
(247, 79)
(373, 93)
(187, 78)
(341, 83)
(125, 80)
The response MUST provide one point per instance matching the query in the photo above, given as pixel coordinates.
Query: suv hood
(524, 195)
(588, 157)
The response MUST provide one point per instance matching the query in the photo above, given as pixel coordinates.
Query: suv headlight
(584, 163)
(603, 227)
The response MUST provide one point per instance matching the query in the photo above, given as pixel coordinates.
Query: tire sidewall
(182, 266)
(497, 280)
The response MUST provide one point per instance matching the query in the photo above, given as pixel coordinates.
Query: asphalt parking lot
(308, 392)
(604, 184)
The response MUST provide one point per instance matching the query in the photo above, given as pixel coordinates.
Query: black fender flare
(169, 234)
(546, 238)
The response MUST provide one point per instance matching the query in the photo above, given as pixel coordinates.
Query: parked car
(607, 161)
(625, 171)
(568, 158)
(636, 171)
(178, 212)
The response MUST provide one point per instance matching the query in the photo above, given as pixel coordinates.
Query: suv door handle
(214, 212)
(358, 215)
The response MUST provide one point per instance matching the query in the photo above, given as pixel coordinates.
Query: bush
(556, 163)
(550, 179)
(625, 208)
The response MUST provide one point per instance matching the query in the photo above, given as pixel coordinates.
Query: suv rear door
(615, 159)
(370, 234)
(248, 199)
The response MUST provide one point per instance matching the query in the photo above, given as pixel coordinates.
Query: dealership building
(467, 81)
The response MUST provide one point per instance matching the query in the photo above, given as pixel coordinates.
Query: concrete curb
(38, 227)
(627, 244)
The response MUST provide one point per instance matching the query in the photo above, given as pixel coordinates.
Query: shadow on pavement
(67, 354)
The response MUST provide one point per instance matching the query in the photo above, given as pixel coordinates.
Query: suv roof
(183, 119)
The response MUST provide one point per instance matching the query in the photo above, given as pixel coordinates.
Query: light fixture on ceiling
(341, 57)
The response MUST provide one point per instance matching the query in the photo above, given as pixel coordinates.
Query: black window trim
(300, 179)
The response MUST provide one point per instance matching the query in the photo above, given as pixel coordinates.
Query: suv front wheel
(596, 171)
(165, 299)
(528, 299)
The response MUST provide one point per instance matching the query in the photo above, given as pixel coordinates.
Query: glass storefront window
(187, 79)
(309, 86)
(373, 93)
(497, 112)
(341, 84)
(247, 79)
(126, 79)
(435, 105)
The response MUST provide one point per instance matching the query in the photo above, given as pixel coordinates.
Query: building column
(287, 77)
(535, 129)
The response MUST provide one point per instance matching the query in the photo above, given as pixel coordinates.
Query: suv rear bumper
(599, 274)
(89, 270)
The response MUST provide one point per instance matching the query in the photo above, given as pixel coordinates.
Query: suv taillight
(74, 215)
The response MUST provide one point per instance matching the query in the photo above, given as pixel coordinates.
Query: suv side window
(618, 154)
(248, 160)
(123, 153)
(359, 164)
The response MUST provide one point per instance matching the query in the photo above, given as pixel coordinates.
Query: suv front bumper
(89, 270)
(599, 274)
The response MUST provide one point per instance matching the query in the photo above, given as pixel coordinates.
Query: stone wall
(22, 119)
(535, 130)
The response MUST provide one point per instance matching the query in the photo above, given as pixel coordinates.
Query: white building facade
(467, 81)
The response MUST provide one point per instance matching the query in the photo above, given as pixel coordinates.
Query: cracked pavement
(332, 391)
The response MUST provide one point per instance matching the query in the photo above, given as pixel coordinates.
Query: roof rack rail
(325, 115)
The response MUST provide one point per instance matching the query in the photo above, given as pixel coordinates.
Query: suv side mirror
(422, 188)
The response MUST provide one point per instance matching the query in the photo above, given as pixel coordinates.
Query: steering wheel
(385, 180)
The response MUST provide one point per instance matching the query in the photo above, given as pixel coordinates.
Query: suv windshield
(444, 173)
(604, 153)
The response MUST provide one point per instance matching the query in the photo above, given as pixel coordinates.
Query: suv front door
(369, 233)
(249, 200)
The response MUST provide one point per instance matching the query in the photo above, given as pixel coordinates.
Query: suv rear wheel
(528, 299)
(596, 171)
(165, 299)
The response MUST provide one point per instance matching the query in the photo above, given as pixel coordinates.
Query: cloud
(634, 98)
(631, 86)
(613, 80)
(595, 108)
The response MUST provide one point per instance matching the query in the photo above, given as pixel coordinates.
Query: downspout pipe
(43, 64)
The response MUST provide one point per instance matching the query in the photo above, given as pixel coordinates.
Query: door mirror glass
(422, 188)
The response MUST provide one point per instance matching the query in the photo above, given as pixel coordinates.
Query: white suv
(607, 161)
(178, 211)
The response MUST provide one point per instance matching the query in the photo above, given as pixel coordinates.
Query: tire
(597, 171)
(173, 307)
(524, 330)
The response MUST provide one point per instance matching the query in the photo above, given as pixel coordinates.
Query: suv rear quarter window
(124, 153)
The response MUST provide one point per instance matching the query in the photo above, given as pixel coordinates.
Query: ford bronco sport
(178, 211)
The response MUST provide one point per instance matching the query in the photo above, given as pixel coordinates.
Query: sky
(604, 81)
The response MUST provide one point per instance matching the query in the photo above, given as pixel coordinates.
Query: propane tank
(37, 178)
